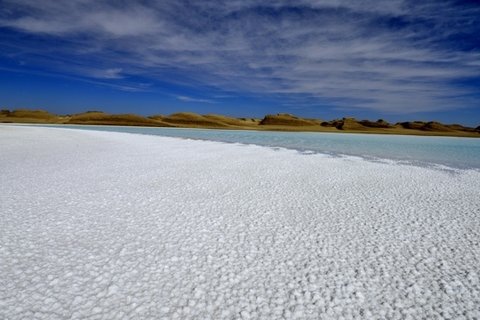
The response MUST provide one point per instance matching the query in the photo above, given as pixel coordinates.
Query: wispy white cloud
(395, 56)
(111, 73)
(190, 99)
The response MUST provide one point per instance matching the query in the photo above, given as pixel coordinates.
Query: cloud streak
(394, 56)
(190, 99)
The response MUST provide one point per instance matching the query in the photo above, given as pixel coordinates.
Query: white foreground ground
(117, 226)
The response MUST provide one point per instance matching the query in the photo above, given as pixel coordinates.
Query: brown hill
(432, 126)
(459, 127)
(347, 124)
(210, 120)
(250, 120)
(34, 114)
(240, 122)
(101, 118)
(28, 116)
(193, 120)
(285, 119)
(157, 117)
(436, 126)
(380, 123)
(350, 124)
(415, 125)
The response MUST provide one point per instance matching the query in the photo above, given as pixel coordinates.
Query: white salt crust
(101, 225)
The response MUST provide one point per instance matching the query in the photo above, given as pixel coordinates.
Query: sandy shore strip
(104, 225)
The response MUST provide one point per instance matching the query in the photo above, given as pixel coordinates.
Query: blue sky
(396, 59)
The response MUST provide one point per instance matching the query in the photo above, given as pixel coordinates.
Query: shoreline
(372, 132)
(400, 150)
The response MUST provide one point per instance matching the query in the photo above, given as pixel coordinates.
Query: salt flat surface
(102, 225)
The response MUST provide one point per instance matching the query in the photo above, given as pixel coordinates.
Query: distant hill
(190, 119)
(279, 122)
(101, 118)
(29, 116)
(239, 122)
(285, 119)
(436, 126)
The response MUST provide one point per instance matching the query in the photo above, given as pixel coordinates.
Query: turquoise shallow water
(449, 151)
